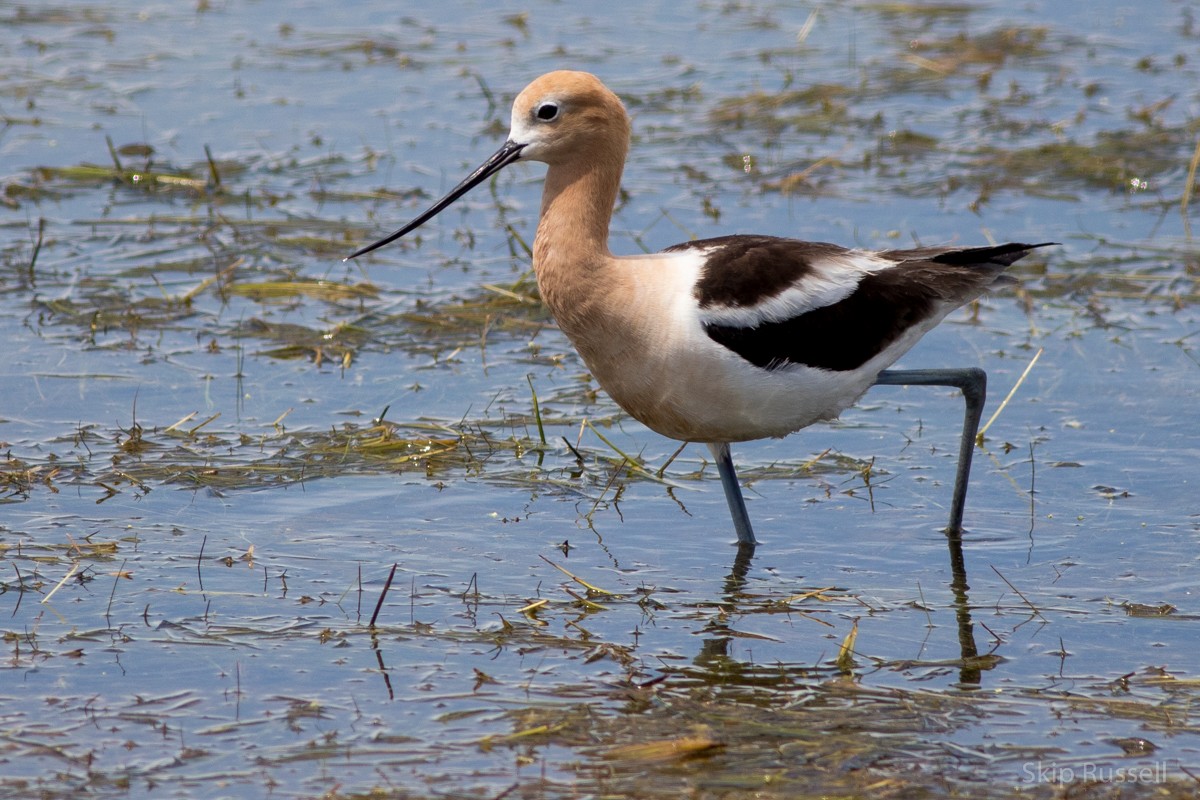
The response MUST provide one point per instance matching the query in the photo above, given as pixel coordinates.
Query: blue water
(1082, 498)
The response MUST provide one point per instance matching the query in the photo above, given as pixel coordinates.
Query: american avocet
(727, 339)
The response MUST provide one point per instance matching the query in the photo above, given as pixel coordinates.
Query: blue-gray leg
(733, 493)
(972, 381)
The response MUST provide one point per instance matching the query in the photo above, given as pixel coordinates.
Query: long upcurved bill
(510, 152)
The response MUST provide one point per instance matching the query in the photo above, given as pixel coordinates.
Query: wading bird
(727, 339)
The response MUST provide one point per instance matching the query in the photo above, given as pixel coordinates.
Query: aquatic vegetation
(275, 525)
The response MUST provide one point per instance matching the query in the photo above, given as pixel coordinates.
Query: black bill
(510, 152)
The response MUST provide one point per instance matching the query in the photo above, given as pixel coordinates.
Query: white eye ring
(546, 111)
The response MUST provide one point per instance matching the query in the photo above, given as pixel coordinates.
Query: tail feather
(960, 274)
(1001, 255)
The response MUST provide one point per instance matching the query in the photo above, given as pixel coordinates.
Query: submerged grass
(215, 254)
(201, 455)
(205, 178)
(842, 740)
(652, 727)
(650, 724)
(1116, 161)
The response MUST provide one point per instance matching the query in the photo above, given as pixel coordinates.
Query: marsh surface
(217, 437)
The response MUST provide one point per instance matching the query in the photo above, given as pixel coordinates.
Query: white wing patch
(829, 281)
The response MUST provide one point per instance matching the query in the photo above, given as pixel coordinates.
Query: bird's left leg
(972, 381)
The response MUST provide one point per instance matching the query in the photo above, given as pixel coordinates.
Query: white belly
(712, 395)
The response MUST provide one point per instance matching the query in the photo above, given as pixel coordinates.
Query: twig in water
(349, 587)
(589, 605)
(487, 92)
(536, 605)
(199, 559)
(20, 590)
(191, 294)
(387, 585)
(516, 786)
(120, 574)
(1032, 607)
(192, 431)
(537, 411)
(1009, 396)
(1187, 190)
(632, 465)
(175, 425)
(112, 151)
(212, 168)
(995, 636)
(1032, 495)
(612, 479)
(845, 657)
(812, 462)
(74, 568)
(576, 453)
(37, 246)
(925, 608)
(578, 579)
(663, 469)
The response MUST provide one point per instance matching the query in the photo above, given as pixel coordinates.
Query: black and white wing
(778, 302)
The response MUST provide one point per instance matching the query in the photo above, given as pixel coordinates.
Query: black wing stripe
(842, 336)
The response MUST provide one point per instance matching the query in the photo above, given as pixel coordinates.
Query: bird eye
(547, 111)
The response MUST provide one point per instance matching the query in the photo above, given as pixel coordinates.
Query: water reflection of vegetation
(195, 452)
(658, 725)
(216, 253)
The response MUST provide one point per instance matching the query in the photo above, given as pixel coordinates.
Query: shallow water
(193, 376)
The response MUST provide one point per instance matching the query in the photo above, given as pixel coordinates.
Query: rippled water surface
(218, 438)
